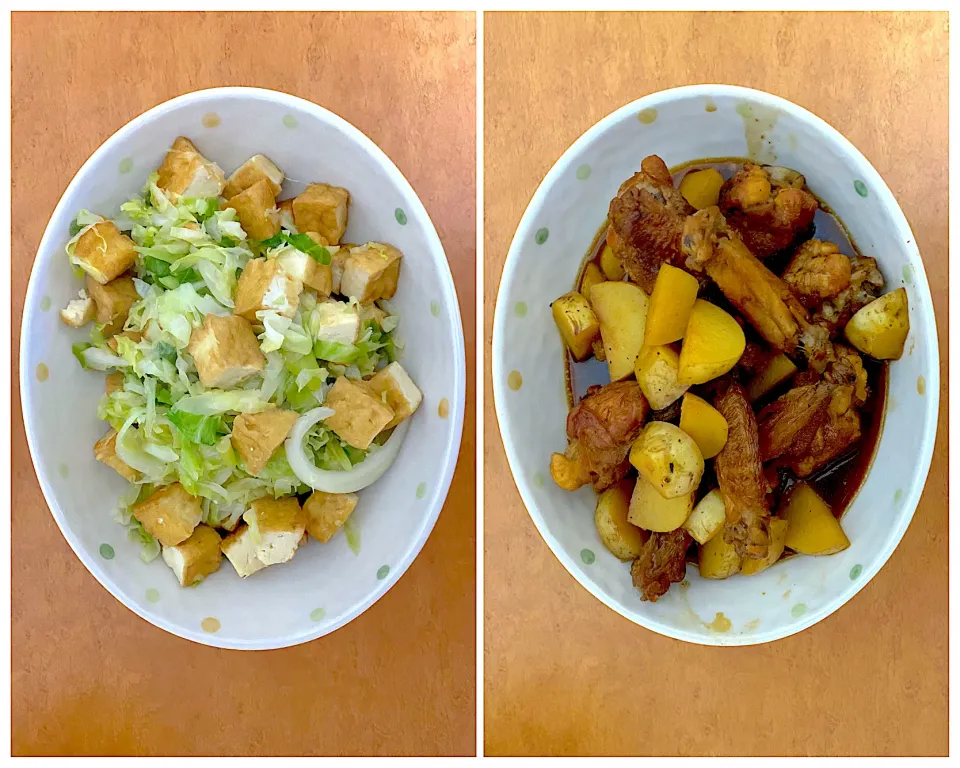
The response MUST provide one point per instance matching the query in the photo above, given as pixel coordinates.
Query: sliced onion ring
(367, 472)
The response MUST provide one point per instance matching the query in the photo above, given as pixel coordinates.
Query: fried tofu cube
(256, 436)
(241, 550)
(322, 208)
(225, 351)
(371, 272)
(285, 207)
(114, 382)
(336, 321)
(105, 451)
(170, 515)
(104, 252)
(338, 260)
(257, 212)
(196, 558)
(134, 336)
(402, 395)
(280, 524)
(257, 168)
(298, 265)
(264, 285)
(372, 312)
(187, 173)
(327, 512)
(113, 301)
(79, 311)
(359, 415)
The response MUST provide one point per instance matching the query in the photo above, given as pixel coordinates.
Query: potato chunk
(104, 252)
(671, 303)
(577, 323)
(812, 528)
(225, 351)
(371, 272)
(327, 512)
(669, 458)
(591, 276)
(707, 518)
(621, 309)
(170, 515)
(394, 385)
(187, 173)
(610, 265)
(657, 372)
(359, 415)
(705, 424)
(280, 525)
(774, 373)
(619, 535)
(880, 329)
(256, 436)
(718, 559)
(196, 558)
(702, 188)
(105, 451)
(256, 209)
(778, 535)
(113, 301)
(322, 208)
(265, 285)
(712, 344)
(652, 512)
(257, 168)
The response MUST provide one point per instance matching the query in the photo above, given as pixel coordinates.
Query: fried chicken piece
(809, 426)
(602, 427)
(662, 562)
(866, 282)
(740, 476)
(763, 298)
(768, 206)
(646, 221)
(817, 271)
(847, 370)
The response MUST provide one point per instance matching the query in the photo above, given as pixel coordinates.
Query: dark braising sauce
(838, 482)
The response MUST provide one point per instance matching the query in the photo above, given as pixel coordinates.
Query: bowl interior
(325, 585)
(556, 231)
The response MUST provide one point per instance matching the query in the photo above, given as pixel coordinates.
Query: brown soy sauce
(838, 482)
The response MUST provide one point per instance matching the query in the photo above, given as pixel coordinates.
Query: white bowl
(681, 125)
(325, 586)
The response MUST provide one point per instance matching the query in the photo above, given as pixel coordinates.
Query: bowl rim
(927, 333)
(416, 210)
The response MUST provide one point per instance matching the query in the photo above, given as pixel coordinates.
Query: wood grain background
(564, 674)
(90, 677)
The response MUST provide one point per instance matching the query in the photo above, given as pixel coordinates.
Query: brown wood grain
(90, 677)
(564, 675)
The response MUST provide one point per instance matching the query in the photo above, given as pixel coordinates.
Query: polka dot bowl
(325, 585)
(556, 231)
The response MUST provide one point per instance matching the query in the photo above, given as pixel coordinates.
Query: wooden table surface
(566, 675)
(89, 676)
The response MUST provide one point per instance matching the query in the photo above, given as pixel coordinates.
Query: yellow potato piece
(707, 518)
(671, 303)
(777, 371)
(778, 535)
(704, 423)
(712, 344)
(812, 529)
(591, 276)
(656, 370)
(702, 188)
(718, 559)
(622, 310)
(669, 458)
(880, 328)
(577, 323)
(611, 265)
(623, 539)
(650, 511)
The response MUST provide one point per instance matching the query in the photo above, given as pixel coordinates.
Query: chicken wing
(817, 271)
(646, 221)
(602, 427)
(768, 206)
(866, 282)
(662, 562)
